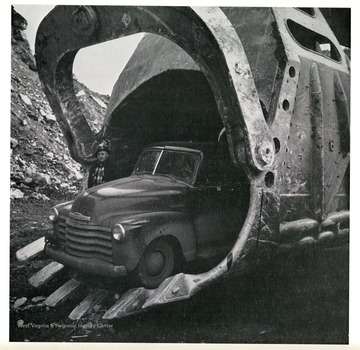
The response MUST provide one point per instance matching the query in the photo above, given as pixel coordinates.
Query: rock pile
(40, 163)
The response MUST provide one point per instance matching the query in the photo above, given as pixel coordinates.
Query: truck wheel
(156, 264)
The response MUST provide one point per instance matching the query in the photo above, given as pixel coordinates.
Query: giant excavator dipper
(276, 79)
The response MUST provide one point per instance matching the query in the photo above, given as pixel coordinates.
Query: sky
(98, 66)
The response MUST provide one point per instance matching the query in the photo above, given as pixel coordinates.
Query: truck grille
(61, 230)
(87, 241)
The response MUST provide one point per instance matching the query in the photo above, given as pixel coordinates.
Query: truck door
(221, 200)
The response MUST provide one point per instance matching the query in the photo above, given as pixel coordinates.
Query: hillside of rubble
(40, 164)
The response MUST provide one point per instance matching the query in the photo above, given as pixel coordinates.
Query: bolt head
(265, 153)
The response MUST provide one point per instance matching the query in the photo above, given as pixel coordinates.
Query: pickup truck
(183, 202)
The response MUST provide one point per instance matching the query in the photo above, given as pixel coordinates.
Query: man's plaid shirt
(98, 175)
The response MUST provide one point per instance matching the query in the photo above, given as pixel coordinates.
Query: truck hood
(130, 196)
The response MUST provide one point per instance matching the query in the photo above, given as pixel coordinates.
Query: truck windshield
(177, 165)
(147, 162)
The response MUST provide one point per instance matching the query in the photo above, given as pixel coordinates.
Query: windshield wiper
(142, 172)
(176, 179)
(169, 176)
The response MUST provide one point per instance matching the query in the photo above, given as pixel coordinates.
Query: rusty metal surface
(317, 180)
(305, 160)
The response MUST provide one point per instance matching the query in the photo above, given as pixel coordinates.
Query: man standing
(101, 171)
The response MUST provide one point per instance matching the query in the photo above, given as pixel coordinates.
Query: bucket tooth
(129, 304)
(31, 250)
(62, 293)
(175, 288)
(45, 274)
(96, 297)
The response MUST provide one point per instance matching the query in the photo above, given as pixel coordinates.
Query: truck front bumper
(93, 266)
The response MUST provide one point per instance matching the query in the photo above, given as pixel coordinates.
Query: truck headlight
(118, 232)
(54, 214)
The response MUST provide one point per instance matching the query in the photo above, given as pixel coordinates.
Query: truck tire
(156, 264)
